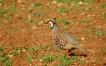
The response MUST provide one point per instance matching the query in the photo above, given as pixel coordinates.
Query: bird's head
(51, 22)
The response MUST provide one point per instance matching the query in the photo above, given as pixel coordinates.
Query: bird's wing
(70, 39)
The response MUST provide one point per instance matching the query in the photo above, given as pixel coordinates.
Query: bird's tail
(80, 48)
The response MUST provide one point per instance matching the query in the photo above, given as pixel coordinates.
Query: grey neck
(54, 28)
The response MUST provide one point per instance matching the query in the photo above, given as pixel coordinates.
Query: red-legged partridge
(63, 39)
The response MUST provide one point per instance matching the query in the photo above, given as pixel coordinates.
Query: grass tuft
(4, 58)
(103, 5)
(64, 20)
(47, 58)
(85, 20)
(98, 32)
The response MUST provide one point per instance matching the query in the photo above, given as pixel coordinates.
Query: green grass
(71, 22)
(47, 46)
(32, 20)
(13, 8)
(62, 9)
(16, 51)
(103, 14)
(98, 32)
(103, 5)
(14, 29)
(33, 48)
(88, 1)
(103, 50)
(47, 58)
(64, 27)
(4, 58)
(97, 60)
(75, 4)
(3, 11)
(85, 21)
(85, 7)
(38, 13)
(67, 1)
(63, 1)
(38, 4)
(5, 61)
(33, 6)
(1, 51)
(7, 13)
(29, 58)
(1, 1)
(65, 61)
(64, 20)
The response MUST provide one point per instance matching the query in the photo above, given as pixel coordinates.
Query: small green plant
(4, 58)
(97, 60)
(75, 4)
(16, 51)
(89, 1)
(38, 4)
(13, 8)
(8, 18)
(65, 60)
(79, 60)
(99, 32)
(1, 48)
(2, 51)
(64, 20)
(31, 7)
(104, 15)
(47, 58)
(85, 7)
(85, 20)
(29, 58)
(1, 1)
(6, 61)
(62, 9)
(26, 2)
(103, 5)
(3, 11)
(32, 20)
(103, 50)
(64, 27)
(47, 46)
(38, 13)
(31, 48)
(63, 1)
(71, 22)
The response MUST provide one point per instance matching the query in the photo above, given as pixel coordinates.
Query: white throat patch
(51, 24)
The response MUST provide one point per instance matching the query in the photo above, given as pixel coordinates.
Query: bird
(63, 39)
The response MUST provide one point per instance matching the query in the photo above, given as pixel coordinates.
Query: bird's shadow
(73, 54)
